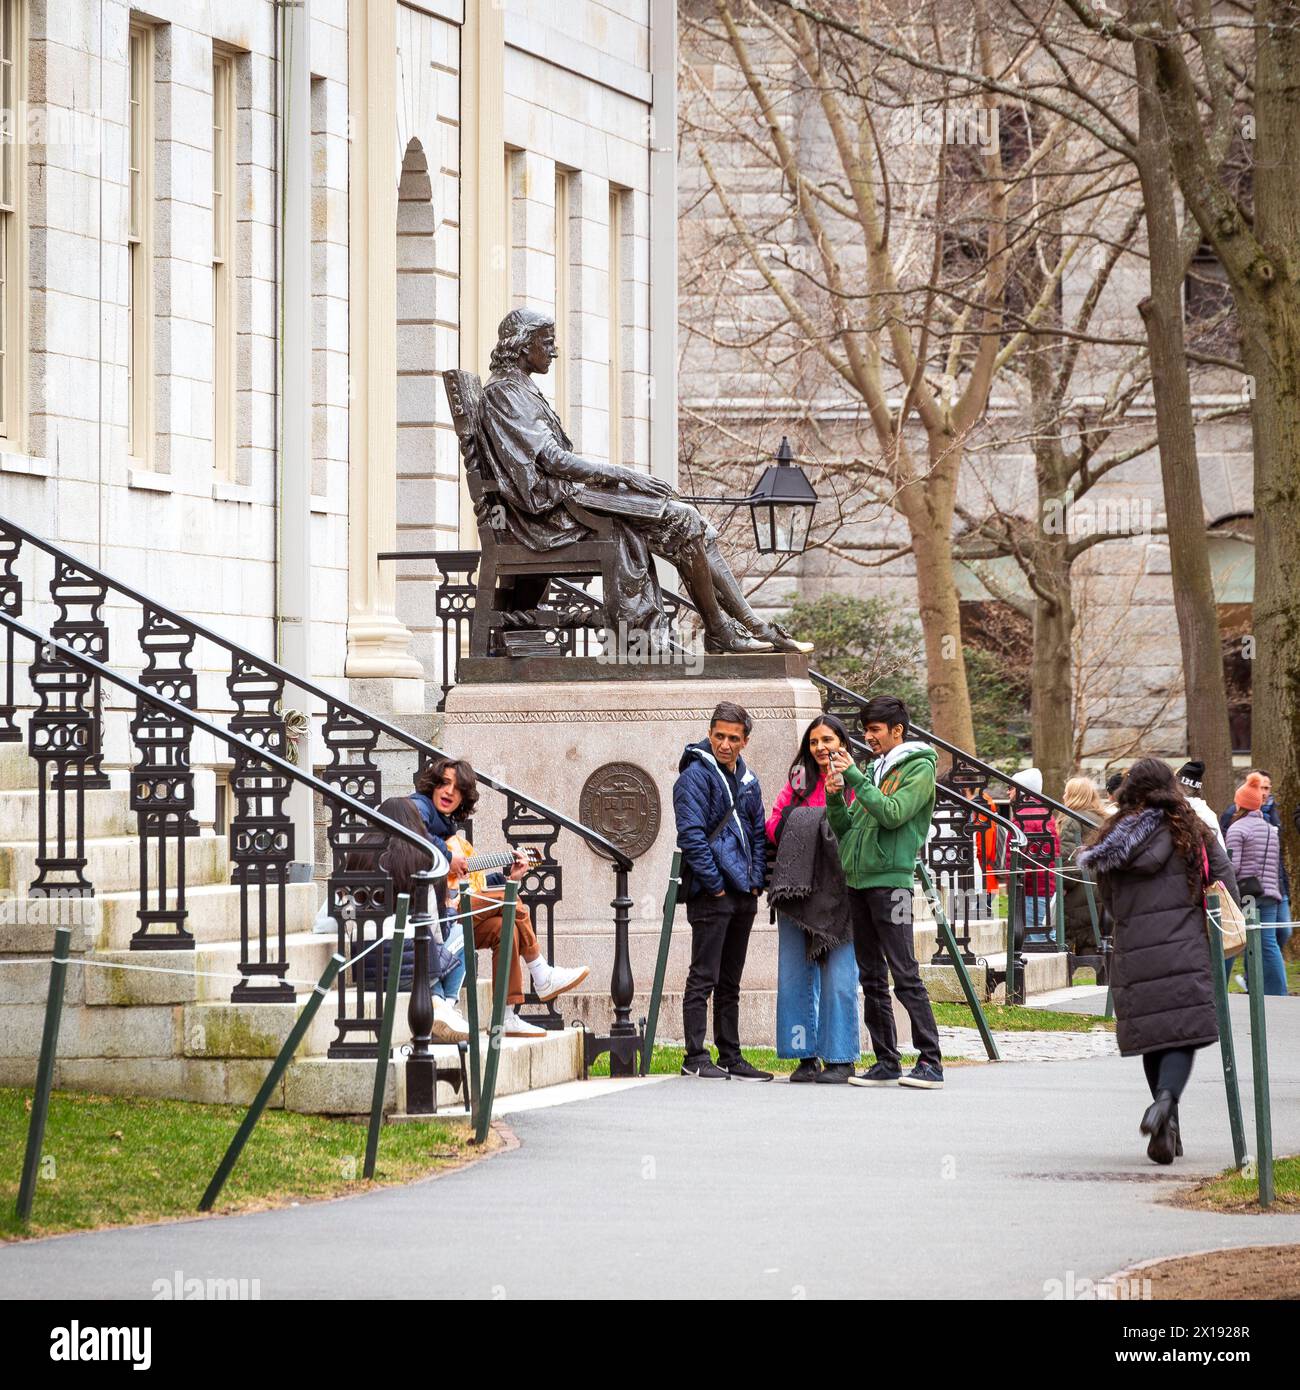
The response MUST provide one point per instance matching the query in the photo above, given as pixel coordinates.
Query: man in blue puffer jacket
(718, 805)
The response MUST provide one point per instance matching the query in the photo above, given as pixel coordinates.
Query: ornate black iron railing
(65, 734)
(67, 682)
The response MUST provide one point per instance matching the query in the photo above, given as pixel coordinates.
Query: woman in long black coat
(1150, 873)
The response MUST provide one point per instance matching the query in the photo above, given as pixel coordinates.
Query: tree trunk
(1271, 352)
(928, 507)
(1208, 734)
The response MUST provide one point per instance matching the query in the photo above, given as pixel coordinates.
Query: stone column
(663, 242)
(485, 260)
(377, 641)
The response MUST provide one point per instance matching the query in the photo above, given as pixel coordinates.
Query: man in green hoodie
(880, 833)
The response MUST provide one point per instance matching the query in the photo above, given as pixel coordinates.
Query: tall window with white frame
(223, 253)
(563, 255)
(617, 202)
(140, 249)
(13, 91)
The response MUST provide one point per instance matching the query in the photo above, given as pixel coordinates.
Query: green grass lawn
(1004, 1019)
(1230, 1191)
(1292, 976)
(113, 1161)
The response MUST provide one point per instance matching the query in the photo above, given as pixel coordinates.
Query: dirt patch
(1254, 1271)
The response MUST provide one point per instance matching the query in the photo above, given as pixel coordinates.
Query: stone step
(113, 864)
(321, 1087)
(108, 813)
(108, 921)
(17, 770)
(213, 913)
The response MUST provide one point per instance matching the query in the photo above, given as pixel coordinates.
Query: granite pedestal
(545, 725)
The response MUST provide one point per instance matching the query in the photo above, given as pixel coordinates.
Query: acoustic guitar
(500, 859)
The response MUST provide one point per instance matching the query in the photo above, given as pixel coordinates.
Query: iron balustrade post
(623, 1056)
(1058, 899)
(421, 1069)
(11, 604)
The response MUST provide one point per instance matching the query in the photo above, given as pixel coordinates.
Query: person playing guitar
(446, 792)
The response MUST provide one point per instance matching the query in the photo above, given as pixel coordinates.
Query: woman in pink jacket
(816, 999)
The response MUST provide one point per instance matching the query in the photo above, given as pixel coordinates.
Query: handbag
(1232, 922)
(1252, 886)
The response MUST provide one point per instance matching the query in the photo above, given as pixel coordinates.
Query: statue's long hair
(513, 334)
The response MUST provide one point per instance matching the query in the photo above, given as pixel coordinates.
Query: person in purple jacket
(1254, 846)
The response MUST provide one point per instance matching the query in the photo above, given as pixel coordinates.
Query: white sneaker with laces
(512, 1026)
(556, 979)
(448, 1024)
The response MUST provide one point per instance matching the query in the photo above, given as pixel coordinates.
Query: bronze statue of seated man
(537, 472)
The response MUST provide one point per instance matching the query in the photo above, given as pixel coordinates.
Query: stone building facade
(242, 241)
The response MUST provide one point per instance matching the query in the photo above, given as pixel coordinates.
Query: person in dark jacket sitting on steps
(1153, 859)
(718, 805)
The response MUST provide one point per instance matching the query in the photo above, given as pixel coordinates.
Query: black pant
(882, 942)
(1168, 1070)
(719, 940)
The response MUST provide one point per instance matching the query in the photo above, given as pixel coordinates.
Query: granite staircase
(164, 1025)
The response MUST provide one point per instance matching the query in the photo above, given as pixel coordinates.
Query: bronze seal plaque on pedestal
(621, 802)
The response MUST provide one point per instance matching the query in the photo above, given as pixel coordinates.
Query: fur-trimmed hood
(1123, 844)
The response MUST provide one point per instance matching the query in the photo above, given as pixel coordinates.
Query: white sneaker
(448, 1025)
(555, 980)
(512, 1026)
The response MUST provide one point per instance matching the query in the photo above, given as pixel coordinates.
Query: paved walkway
(1012, 1176)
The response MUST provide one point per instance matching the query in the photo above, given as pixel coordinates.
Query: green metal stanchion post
(471, 1002)
(1218, 968)
(661, 964)
(1259, 1057)
(1095, 919)
(386, 1032)
(963, 976)
(278, 1068)
(44, 1072)
(484, 1119)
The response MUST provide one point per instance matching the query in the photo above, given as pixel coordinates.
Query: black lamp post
(781, 506)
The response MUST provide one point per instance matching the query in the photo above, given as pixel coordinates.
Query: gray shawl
(808, 880)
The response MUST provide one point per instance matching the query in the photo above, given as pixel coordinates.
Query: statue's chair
(513, 615)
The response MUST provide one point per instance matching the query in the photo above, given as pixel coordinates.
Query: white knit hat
(1031, 779)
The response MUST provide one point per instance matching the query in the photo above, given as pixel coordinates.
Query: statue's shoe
(781, 640)
(736, 643)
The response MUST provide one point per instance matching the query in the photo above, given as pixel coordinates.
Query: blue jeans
(1037, 917)
(1284, 915)
(816, 1001)
(1269, 911)
(449, 986)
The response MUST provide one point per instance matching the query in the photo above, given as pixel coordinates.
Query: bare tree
(1104, 111)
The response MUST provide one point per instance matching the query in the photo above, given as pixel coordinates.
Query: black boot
(835, 1073)
(806, 1070)
(732, 600)
(1158, 1123)
(1178, 1133)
